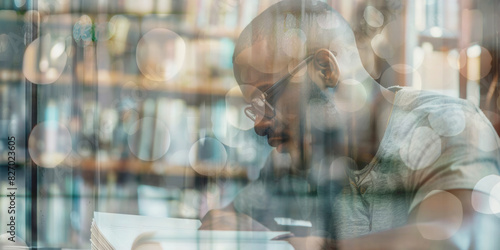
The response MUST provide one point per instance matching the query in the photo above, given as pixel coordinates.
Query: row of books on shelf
(126, 52)
(229, 14)
(169, 132)
(197, 64)
(139, 133)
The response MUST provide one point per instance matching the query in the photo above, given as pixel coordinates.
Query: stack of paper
(119, 231)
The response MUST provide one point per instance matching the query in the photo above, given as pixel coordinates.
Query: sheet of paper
(210, 240)
(225, 245)
(120, 230)
(213, 234)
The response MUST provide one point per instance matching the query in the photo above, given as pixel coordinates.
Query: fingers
(223, 220)
(310, 243)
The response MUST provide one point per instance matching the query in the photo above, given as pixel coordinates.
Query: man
(399, 167)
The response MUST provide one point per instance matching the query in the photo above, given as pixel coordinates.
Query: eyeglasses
(261, 106)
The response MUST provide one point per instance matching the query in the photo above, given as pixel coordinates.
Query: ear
(325, 71)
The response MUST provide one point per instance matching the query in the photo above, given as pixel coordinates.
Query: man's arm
(229, 219)
(444, 225)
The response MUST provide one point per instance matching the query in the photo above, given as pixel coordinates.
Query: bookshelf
(100, 92)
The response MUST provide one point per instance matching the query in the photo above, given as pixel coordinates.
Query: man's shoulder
(427, 118)
(422, 108)
(409, 98)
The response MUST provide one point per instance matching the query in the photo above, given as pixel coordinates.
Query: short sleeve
(463, 149)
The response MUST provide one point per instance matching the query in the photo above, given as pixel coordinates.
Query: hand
(230, 220)
(311, 243)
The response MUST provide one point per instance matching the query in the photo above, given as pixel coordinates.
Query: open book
(120, 231)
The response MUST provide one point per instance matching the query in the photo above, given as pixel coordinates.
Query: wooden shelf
(213, 88)
(136, 166)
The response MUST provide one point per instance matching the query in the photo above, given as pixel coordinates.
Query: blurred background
(131, 106)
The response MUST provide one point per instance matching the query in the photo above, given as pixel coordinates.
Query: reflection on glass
(49, 143)
(44, 60)
(208, 156)
(160, 54)
(142, 133)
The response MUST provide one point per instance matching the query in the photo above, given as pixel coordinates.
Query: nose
(262, 126)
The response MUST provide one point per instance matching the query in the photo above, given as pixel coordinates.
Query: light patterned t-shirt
(432, 143)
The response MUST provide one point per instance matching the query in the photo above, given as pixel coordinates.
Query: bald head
(293, 29)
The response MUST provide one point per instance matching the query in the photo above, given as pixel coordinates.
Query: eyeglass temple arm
(281, 83)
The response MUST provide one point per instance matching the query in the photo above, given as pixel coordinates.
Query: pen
(283, 236)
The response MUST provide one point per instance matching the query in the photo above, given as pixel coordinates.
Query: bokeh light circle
(452, 211)
(19, 3)
(49, 143)
(148, 139)
(160, 54)
(495, 199)
(208, 156)
(447, 121)
(481, 134)
(350, 96)
(382, 47)
(489, 186)
(422, 149)
(373, 17)
(44, 64)
(328, 21)
(230, 125)
(235, 107)
(293, 43)
(475, 55)
(474, 51)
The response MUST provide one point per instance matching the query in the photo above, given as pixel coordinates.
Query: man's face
(260, 68)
